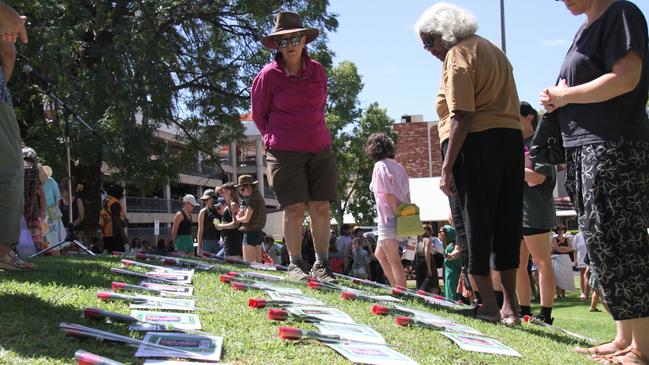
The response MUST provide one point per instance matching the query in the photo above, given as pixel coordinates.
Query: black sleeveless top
(231, 236)
(209, 230)
(185, 226)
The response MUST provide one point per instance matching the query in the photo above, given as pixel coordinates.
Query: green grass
(34, 303)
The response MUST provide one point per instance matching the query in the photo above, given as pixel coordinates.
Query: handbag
(408, 221)
(547, 144)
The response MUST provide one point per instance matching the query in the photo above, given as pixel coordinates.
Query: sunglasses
(283, 42)
(429, 42)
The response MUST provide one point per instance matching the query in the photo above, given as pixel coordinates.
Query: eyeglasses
(283, 42)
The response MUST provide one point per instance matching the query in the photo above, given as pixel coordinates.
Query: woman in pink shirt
(390, 187)
(288, 101)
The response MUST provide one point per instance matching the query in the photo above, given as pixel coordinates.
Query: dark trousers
(489, 177)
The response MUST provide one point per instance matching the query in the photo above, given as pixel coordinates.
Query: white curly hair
(451, 22)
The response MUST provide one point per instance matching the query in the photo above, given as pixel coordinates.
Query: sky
(378, 36)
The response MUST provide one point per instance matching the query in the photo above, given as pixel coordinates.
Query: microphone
(28, 69)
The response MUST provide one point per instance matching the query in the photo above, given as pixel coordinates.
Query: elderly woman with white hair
(482, 147)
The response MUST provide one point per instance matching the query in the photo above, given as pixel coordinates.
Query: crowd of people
(502, 211)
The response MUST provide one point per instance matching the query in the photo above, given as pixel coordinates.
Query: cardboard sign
(361, 353)
(200, 347)
(324, 314)
(351, 332)
(477, 343)
(180, 321)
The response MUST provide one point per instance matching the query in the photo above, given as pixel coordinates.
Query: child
(252, 214)
(361, 259)
(390, 188)
(452, 262)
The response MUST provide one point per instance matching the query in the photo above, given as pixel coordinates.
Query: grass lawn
(34, 303)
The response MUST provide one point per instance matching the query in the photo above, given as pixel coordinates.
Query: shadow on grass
(535, 330)
(70, 271)
(29, 328)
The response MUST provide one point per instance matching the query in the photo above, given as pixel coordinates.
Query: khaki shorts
(300, 177)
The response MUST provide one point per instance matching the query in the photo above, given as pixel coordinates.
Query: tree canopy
(129, 67)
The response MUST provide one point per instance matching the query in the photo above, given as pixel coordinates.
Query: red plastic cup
(290, 333)
(403, 321)
(380, 310)
(257, 303)
(277, 314)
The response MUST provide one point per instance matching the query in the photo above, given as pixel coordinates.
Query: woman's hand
(454, 255)
(446, 183)
(554, 97)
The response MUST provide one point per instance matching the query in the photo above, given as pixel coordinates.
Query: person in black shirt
(601, 100)
(208, 235)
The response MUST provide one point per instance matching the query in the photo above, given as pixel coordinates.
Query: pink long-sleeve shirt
(289, 109)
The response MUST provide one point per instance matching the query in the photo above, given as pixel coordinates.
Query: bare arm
(12, 25)
(428, 255)
(174, 230)
(81, 211)
(245, 217)
(201, 228)
(533, 178)
(7, 58)
(623, 78)
(459, 130)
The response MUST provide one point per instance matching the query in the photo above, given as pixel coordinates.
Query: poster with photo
(260, 266)
(181, 291)
(423, 315)
(442, 302)
(180, 321)
(163, 303)
(362, 353)
(198, 347)
(294, 298)
(477, 343)
(385, 298)
(324, 314)
(176, 277)
(279, 289)
(351, 332)
(260, 276)
(174, 362)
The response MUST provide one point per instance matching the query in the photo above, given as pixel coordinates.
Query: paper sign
(351, 332)
(162, 303)
(385, 298)
(258, 266)
(423, 315)
(298, 299)
(361, 353)
(480, 344)
(323, 313)
(177, 277)
(173, 362)
(279, 289)
(180, 321)
(205, 348)
(260, 276)
(184, 291)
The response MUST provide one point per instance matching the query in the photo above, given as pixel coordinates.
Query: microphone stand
(67, 112)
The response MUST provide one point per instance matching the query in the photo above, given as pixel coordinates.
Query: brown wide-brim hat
(245, 180)
(286, 23)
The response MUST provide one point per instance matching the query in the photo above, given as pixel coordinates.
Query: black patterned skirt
(608, 184)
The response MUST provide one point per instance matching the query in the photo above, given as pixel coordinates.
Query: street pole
(503, 42)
